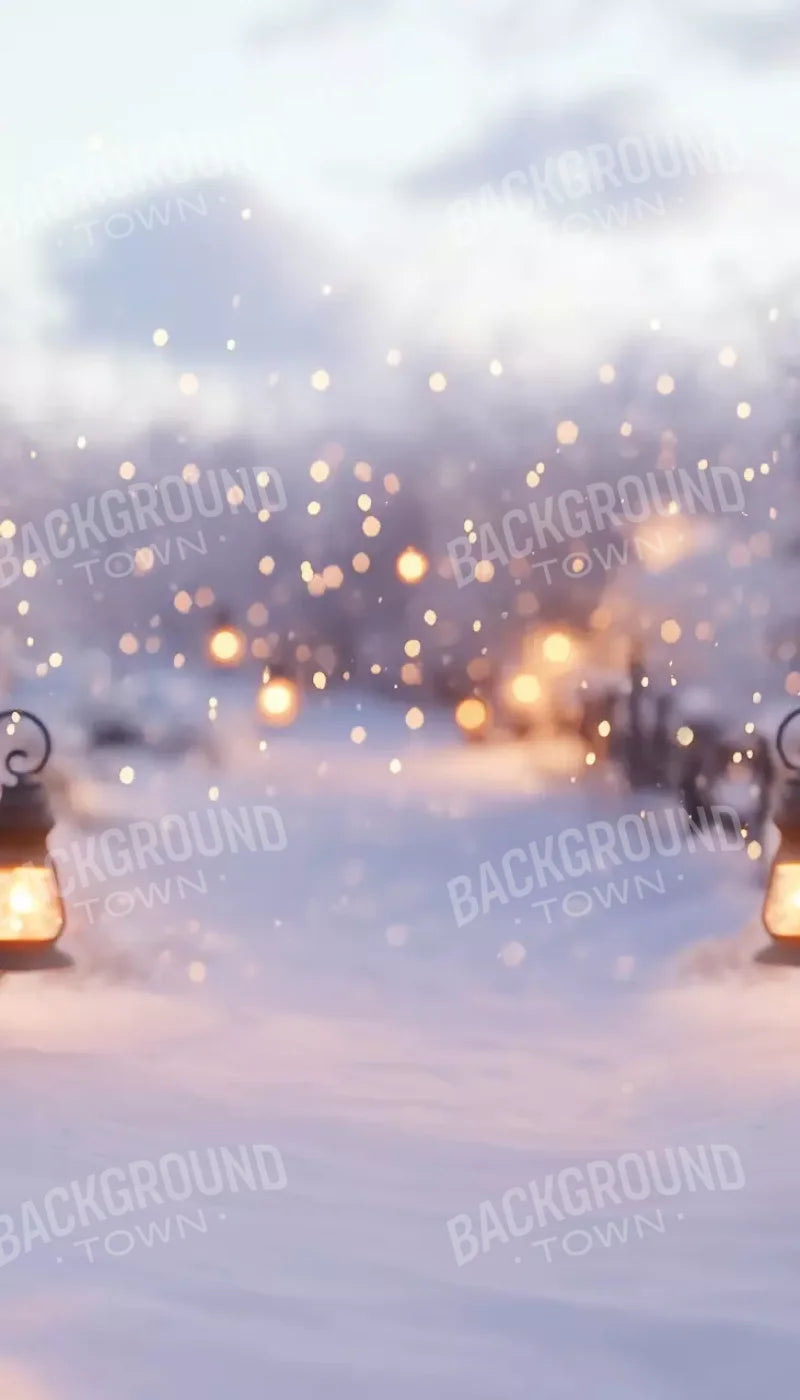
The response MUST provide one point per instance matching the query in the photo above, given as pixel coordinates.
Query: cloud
(184, 258)
(310, 19)
(529, 135)
(755, 40)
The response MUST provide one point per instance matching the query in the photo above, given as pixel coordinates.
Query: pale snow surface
(404, 1079)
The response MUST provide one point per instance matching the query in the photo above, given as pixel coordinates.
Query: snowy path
(404, 1080)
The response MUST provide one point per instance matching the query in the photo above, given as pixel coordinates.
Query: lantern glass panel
(782, 903)
(30, 904)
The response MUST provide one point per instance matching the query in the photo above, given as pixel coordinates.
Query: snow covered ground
(406, 1070)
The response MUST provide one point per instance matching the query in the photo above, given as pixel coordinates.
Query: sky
(366, 145)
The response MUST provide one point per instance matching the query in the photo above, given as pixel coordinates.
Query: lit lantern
(473, 717)
(31, 907)
(227, 646)
(781, 912)
(279, 701)
(411, 565)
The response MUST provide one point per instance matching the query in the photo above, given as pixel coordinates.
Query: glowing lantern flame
(227, 646)
(279, 701)
(20, 899)
(472, 716)
(782, 904)
(30, 905)
(411, 566)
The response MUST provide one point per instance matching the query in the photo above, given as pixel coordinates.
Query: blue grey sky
(353, 127)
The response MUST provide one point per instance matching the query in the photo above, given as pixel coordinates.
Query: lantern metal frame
(779, 741)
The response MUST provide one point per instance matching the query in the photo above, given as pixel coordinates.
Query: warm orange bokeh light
(557, 647)
(227, 646)
(412, 565)
(279, 701)
(472, 715)
(525, 689)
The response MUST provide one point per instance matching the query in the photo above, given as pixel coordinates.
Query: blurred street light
(279, 701)
(412, 565)
(227, 646)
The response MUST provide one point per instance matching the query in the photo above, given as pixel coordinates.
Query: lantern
(31, 907)
(781, 912)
